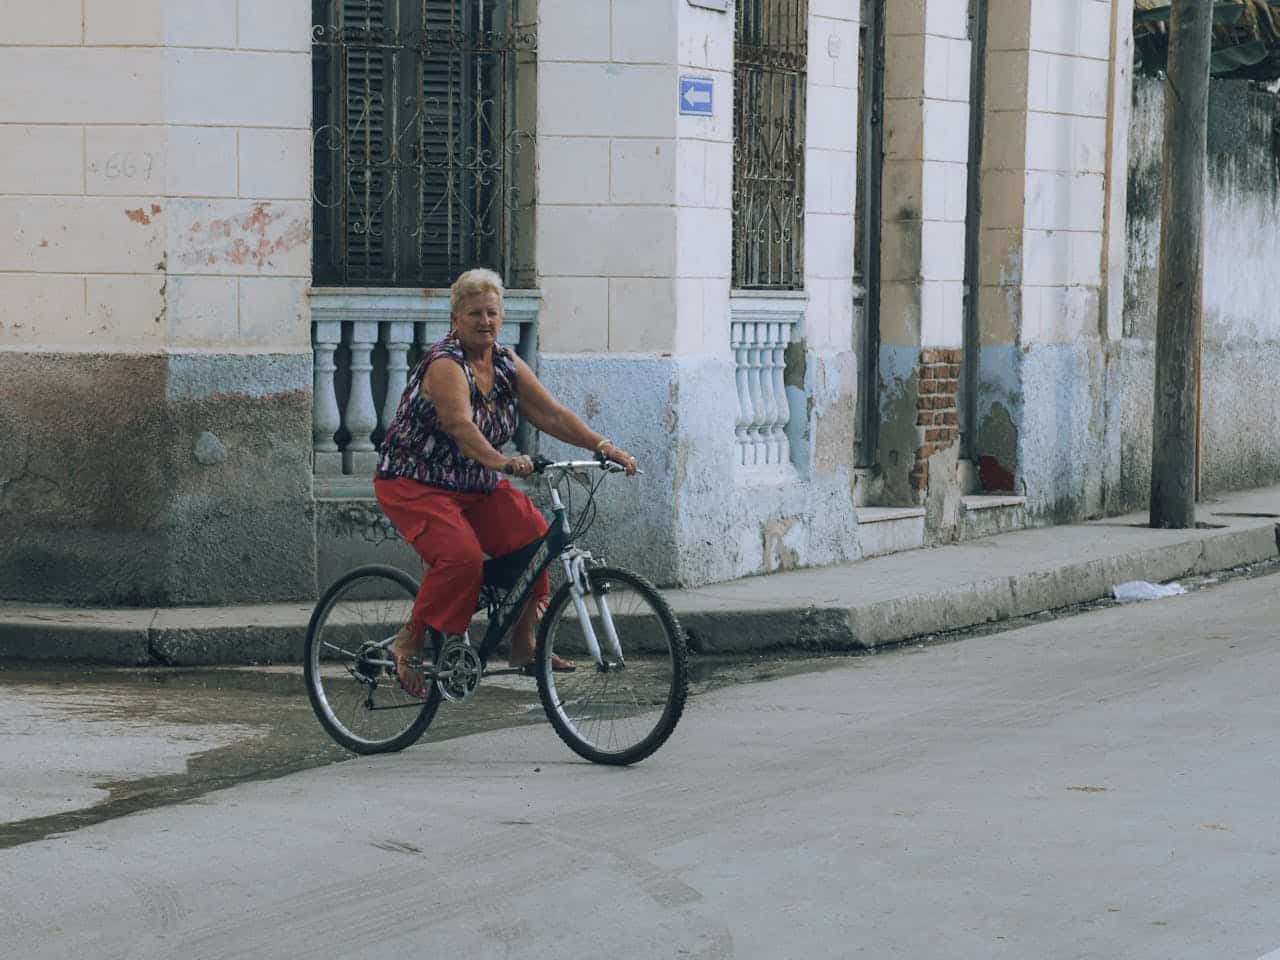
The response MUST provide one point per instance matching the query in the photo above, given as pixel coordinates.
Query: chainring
(463, 666)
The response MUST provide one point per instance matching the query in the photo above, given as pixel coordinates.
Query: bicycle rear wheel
(614, 713)
(353, 690)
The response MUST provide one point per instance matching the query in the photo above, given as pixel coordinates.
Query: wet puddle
(83, 745)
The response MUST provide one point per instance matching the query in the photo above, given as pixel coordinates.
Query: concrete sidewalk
(853, 606)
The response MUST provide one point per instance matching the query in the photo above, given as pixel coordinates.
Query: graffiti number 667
(129, 165)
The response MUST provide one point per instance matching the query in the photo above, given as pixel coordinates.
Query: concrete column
(927, 53)
(1043, 421)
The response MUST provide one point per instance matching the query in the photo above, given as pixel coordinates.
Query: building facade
(849, 276)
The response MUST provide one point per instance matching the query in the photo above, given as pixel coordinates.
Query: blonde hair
(472, 283)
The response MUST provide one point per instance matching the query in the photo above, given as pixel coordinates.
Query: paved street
(1098, 786)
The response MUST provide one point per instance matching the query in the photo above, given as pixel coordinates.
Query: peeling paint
(1241, 330)
(696, 516)
(251, 240)
(794, 364)
(778, 554)
(898, 436)
(163, 268)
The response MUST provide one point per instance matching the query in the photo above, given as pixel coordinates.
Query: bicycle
(610, 708)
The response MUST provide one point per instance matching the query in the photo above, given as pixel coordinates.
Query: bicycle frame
(556, 543)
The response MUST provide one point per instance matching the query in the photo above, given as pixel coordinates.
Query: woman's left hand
(618, 455)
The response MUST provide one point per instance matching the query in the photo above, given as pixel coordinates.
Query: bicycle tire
(354, 615)
(587, 707)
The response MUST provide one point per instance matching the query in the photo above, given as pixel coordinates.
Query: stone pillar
(155, 331)
(926, 132)
(1043, 417)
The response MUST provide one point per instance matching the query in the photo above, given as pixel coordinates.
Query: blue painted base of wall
(696, 516)
(1049, 414)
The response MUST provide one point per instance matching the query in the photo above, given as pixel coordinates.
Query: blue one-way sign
(696, 96)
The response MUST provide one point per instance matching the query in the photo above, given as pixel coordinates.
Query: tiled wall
(926, 154)
(1044, 171)
(831, 173)
(155, 164)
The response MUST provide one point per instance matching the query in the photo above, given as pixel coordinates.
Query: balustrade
(365, 344)
(761, 329)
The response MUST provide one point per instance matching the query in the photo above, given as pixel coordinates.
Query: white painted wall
(634, 199)
(155, 164)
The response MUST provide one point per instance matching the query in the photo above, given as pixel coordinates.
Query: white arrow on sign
(694, 96)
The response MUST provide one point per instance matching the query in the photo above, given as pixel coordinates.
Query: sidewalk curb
(39, 639)
(259, 635)
(894, 621)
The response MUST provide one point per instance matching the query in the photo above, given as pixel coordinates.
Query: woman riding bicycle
(438, 475)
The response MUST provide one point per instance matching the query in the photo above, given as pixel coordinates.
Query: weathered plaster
(352, 532)
(108, 493)
(898, 436)
(1240, 405)
(1062, 443)
(695, 516)
(999, 412)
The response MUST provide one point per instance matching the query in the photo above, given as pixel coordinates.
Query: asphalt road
(1099, 786)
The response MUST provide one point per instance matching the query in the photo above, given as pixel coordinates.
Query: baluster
(325, 416)
(431, 332)
(743, 423)
(755, 432)
(781, 446)
(771, 414)
(399, 337)
(360, 458)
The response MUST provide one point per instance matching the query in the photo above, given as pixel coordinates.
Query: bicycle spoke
(620, 715)
(350, 678)
(338, 649)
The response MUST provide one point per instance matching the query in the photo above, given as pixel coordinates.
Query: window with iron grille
(418, 152)
(770, 69)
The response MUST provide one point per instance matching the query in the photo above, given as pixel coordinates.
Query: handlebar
(541, 465)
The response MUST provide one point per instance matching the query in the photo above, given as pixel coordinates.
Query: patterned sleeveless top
(416, 447)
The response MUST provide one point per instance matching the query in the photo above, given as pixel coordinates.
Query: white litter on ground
(1135, 590)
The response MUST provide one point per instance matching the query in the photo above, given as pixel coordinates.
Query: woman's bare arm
(446, 386)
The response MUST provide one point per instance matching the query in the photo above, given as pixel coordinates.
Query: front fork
(575, 571)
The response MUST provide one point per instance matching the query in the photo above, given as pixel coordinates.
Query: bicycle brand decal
(517, 592)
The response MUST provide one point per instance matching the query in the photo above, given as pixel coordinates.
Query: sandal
(402, 667)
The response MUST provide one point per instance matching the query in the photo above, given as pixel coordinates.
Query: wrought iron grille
(770, 70)
(419, 157)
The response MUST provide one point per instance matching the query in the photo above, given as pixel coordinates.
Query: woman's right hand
(518, 466)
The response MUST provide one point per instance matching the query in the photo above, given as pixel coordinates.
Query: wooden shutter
(368, 26)
(442, 140)
(411, 177)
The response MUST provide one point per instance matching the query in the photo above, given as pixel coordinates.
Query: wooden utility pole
(1180, 307)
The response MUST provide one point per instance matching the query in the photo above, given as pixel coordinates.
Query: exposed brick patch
(937, 411)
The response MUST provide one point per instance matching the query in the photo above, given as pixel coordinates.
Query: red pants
(452, 532)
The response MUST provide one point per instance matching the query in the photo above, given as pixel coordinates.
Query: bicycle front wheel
(353, 690)
(615, 712)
